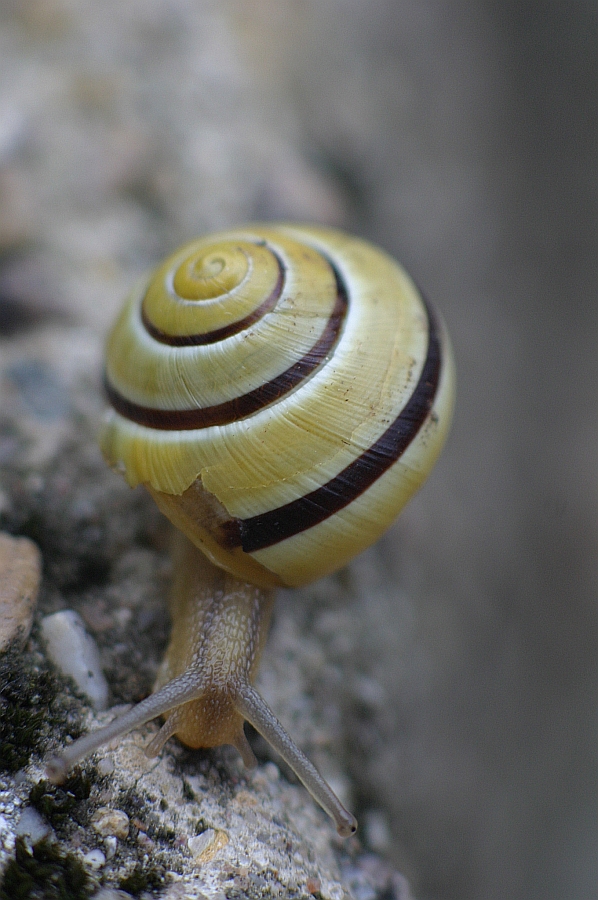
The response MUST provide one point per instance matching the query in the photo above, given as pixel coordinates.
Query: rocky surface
(179, 829)
(20, 576)
(446, 682)
(186, 824)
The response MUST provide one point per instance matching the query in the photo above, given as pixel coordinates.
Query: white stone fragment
(201, 842)
(75, 653)
(108, 821)
(95, 859)
(110, 843)
(32, 825)
(106, 766)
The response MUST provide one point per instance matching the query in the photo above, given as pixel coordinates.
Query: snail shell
(281, 392)
(293, 377)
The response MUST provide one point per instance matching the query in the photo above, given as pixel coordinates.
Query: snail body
(281, 392)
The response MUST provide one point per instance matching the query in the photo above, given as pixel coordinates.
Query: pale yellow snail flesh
(281, 391)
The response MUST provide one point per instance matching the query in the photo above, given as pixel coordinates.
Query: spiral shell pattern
(297, 375)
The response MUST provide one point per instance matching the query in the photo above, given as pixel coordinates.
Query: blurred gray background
(461, 137)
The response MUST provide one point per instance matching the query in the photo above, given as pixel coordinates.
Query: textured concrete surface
(447, 680)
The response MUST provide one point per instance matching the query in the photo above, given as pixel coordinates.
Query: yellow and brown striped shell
(282, 391)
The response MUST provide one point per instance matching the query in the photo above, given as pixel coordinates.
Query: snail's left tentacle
(180, 690)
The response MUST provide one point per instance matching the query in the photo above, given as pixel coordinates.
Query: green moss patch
(142, 879)
(44, 873)
(61, 804)
(31, 709)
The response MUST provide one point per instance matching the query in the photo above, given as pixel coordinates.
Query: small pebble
(205, 846)
(144, 841)
(76, 654)
(110, 843)
(111, 822)
(202, 842)
(95, 859)
(32, 825)
(106, 766)
(20, 575)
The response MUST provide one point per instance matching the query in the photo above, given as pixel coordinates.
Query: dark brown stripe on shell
(278, 524)
(219, 334)
(246, 404)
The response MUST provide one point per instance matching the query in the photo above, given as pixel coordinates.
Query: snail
(281, 392)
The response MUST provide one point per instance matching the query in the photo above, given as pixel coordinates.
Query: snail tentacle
(166, 732)
(180, 690)
(243, 747)
(256, 711)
